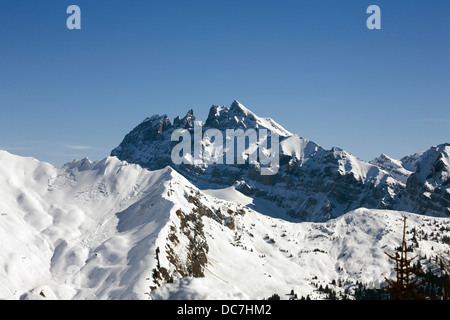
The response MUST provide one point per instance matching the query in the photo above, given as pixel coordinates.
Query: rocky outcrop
(428, 188)
(311, 184)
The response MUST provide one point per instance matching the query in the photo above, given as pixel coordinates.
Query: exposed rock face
(311, 184)
(428, 188)
(395, 167)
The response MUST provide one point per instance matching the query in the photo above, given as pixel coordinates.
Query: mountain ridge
(320, 180)
(135, 226)
(109, 229)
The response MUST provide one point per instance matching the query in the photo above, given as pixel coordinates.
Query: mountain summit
(112, 229)
(238, 116)
(428, 188)
(312, 184)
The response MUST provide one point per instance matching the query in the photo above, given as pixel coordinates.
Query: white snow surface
(394, 167)
(299, 148)
(90, 230)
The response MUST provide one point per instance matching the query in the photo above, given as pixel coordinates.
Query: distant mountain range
(312, 184)
(136, 226)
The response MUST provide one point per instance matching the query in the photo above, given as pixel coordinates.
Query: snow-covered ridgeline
(112, 230)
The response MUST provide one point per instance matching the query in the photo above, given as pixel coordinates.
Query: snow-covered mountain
(425, 176)
(395, 167)
(312, 184)
(136, 226)
(428, 188)
(113, 230)
(238, 116)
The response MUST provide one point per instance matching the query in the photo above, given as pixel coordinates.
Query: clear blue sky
(313, 66)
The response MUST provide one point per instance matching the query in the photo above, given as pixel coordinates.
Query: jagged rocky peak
(233, 117)
(150, 129)
(433, 168)
(238, 109)
(186, 122)
(410, 162)
(162, 121)
(157, 127)
(312, 184)
(428, 189)
(383, 158)
(238, 116)
(163, 124)
(393, 166)
(443, 163)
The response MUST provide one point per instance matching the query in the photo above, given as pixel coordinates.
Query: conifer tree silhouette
(404, 285)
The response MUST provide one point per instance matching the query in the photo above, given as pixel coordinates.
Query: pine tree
(404, 286)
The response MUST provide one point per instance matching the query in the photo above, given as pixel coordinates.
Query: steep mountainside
(395, 167)
(113, 230)
(136, 226)
(428, 188)
(311, 184)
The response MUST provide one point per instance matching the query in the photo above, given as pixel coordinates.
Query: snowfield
(113, 230)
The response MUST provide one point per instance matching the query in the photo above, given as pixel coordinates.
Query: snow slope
(394, 167)
(264, 255)
(238, 116)
(113, 230)
(311, 183)
(77, 223)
